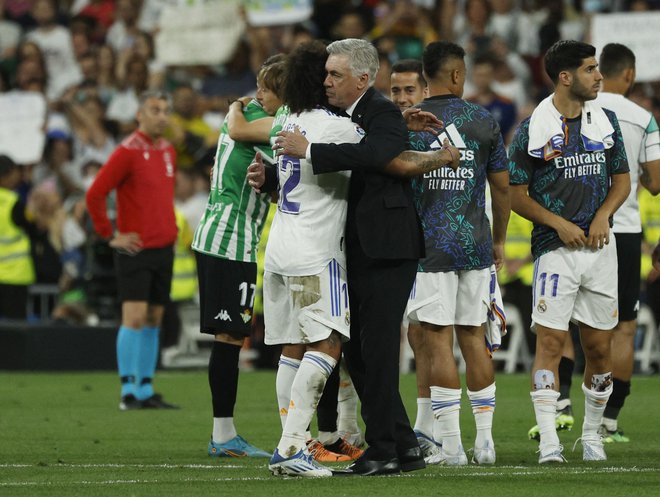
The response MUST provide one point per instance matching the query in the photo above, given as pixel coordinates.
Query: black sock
(620, 390)
(223, 378)
(566, 367)
(326, 412)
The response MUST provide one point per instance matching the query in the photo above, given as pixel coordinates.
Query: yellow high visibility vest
(16, 267)
(518, 246)
(184, 272)
(649, 211)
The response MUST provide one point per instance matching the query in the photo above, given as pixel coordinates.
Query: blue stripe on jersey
(335, 297)
(320, 363)
(536, 273)
(413, 291)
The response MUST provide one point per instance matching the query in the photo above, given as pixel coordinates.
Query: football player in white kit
(305, 293)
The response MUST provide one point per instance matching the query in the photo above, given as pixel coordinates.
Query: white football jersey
(642, 142)
(308, 228)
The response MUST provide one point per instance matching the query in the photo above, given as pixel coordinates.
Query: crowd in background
(90, 59)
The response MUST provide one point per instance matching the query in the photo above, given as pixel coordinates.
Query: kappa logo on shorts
(246, 316)
(542, 307)
(223, 315)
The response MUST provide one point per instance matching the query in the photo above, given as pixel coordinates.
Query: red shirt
(142, 172)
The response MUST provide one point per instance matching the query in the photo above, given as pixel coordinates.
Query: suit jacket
(381, 214)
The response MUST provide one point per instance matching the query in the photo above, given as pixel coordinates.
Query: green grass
(62, 435)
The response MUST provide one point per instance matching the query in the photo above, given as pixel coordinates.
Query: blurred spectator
(107, 82)
(504, 22)
(16, 268)
(351, 24)
(144, 47)
(55, 42)
(502, 109)
(407, 23)
(191, 195)
(382, 82)
(31, 73)
(189, 133)
(470, 30)
(10, 34)
(512, 74)
(102, 12)
(123, 32)
(124, 105)
(45, 203)
(92, 133)
(57, 170)
(234, 80)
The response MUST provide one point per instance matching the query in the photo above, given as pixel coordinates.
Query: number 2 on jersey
(291, 166)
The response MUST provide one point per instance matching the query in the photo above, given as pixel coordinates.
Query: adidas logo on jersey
(223, 315)
(451, 133)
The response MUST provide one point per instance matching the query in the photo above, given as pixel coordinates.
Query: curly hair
(305, 73)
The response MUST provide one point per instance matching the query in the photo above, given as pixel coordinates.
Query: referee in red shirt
(141, 170)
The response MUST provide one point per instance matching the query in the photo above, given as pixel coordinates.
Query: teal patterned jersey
(573, 185)
(451, 204)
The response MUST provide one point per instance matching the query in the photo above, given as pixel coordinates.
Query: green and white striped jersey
(235, 215)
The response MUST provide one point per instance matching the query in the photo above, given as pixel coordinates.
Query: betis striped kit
(235, 215)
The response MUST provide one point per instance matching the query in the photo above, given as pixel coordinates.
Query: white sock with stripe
(286, 372)
(545, 408)
(594, 406)
(446, 404)
(306, 391)
(483, 408)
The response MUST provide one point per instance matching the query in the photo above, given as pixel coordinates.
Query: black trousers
(378, 292)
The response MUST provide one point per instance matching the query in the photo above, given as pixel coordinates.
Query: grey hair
(159, 95)
(362, 56)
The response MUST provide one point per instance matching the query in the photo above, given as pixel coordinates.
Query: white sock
(563, 404)
(347, 402)
(223, 430)
(594, 405)
(286, 372)
(446, 403)
(328, 437)
(483, 407)
(306, 391)
(424, 420)
(610, 424)
(545, 408)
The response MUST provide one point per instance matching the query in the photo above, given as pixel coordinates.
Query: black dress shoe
(370, 467)
(411, 459)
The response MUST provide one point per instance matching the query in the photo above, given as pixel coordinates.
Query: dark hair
(615, 58)
(157, 94)
(6, 166)
(437, 54)
(305, 73)
(566, 55)
(410, 65)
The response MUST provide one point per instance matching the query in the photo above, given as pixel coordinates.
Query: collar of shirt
(351, 109)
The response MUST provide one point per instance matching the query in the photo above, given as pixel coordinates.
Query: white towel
(496, 323)
(546, 130)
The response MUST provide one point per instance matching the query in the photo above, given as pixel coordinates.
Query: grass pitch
(61, 434)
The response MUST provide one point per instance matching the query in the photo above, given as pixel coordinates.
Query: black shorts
(226, 295)
(145, 276)
(629, 255)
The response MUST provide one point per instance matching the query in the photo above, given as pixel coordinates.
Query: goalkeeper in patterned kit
(452, 286)
(225, 244)
(569, 174)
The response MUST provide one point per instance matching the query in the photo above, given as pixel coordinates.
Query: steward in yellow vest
(16, 268)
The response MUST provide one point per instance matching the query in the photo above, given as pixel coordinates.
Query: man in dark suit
(384, 241)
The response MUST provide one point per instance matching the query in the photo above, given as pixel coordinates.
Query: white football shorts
(305, 309)
(453, 297)
(577, 285)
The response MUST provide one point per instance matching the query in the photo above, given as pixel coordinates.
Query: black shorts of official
(145, 276)
(629, 255)
(226, 295)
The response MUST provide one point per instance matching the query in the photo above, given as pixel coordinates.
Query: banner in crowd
(639, 31)
(22, 123)
(275, 12)
(199, 33)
